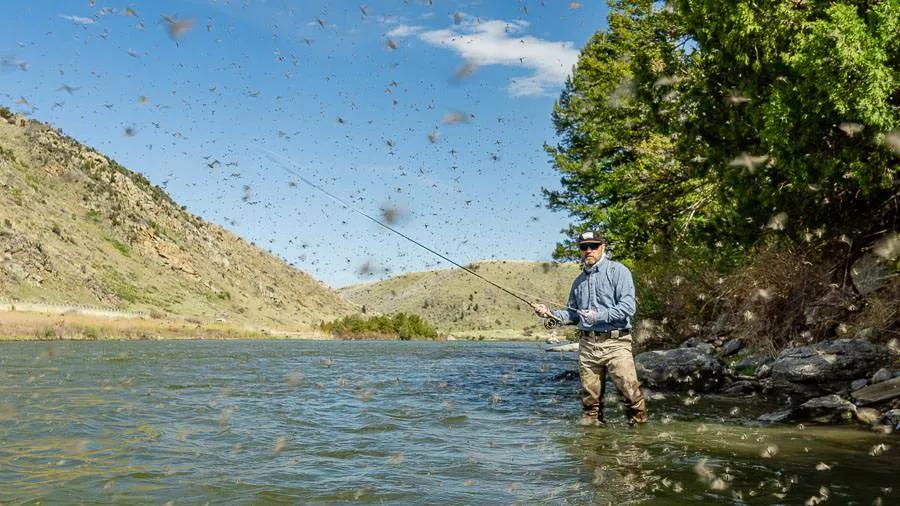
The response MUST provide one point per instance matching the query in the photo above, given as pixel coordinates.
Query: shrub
(401, 325)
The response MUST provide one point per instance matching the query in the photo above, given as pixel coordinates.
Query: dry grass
(21, 325)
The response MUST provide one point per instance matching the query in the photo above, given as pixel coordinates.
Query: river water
(390, 422)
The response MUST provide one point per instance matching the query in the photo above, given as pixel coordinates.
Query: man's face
(591, 253)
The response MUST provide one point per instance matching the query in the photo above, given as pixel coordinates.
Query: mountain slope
(454, 300)
(77, 228)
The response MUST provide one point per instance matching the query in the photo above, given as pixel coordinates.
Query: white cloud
(404, 31)
(79, 20)
(497, 42)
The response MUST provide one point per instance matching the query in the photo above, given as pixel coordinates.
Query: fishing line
(275, 158)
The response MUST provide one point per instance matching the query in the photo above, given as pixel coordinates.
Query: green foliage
(5, 113)
(402, 325)
(703, 128)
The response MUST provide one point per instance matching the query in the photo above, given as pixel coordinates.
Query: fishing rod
(550, 321)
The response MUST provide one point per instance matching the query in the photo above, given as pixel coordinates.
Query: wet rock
(883, 391)
(882, 375)
(731, 347)
(741, 388)
(780, 416)
(827, 409)
(696, 342)
(680, 369)
(824, 367)
(857, 384)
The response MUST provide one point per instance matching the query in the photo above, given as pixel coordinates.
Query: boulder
(827, 409)
(878, 392)
(881, 375)
(731, 347)
(891, 417)
(696, 342)
(680, 369)
(857, 384)
(824, 367)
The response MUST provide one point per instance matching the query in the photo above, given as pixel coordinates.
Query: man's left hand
(541, 310)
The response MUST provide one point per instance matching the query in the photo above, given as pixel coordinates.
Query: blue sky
(438, 110)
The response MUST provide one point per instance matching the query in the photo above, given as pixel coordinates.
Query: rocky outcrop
(680, 369)
(882, 391)
(826, 409)
(824, 367)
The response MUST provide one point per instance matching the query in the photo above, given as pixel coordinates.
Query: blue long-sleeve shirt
(606, 287)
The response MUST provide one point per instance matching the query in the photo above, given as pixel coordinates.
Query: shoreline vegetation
(402, 326)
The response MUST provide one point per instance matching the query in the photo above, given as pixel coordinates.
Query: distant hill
(458, 302)
(78, 228)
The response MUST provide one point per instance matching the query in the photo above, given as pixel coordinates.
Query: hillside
(458, 302)
(78, 228)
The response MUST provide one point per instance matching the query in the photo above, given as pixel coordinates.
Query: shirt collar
(596, 266)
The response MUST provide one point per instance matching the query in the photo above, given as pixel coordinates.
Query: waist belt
(599, 336)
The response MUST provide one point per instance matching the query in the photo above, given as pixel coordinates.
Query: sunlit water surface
(389, 422)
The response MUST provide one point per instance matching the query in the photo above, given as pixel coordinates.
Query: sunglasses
(586, 247)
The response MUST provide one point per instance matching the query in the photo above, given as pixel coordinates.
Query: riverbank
(46, 326)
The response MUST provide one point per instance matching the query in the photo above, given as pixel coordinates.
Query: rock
(741, 388)
(764, 371)
(857, 384)
(879, 392)
(552, 340)
(696, 342)
(564, 347)
(824, 367)
(751, 362)
(869, 416)
(780, 416)
(882, 375)
(830, 408)
(870, 272)
(827, 409)
(731, 347)
(679, 369)
(891, 417)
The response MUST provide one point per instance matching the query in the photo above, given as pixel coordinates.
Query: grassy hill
(458, 303)
(78, 228)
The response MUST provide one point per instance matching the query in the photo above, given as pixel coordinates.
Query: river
(390, 422)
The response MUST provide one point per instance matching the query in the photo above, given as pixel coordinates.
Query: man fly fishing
(602, 304)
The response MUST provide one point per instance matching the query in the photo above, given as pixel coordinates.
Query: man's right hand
(541, 310)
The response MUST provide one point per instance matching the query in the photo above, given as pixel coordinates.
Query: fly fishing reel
(551, 322)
